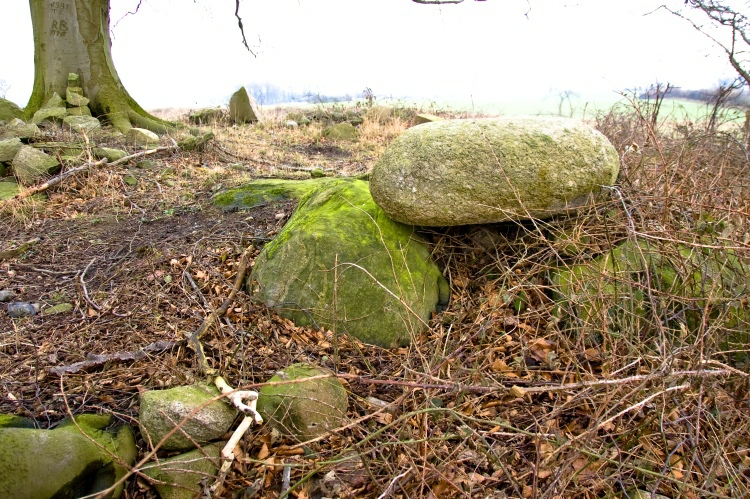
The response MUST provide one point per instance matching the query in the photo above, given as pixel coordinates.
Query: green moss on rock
(341, 263)
(611, 293)
(305, 409)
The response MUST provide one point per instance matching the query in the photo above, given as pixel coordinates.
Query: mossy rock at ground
(73, 460)
(32, 165)
(8, 189)
(109, 153)
(340, 263)
(638, 287)
(162, 409)
(304, 409)
(341, 131)
(183, 476)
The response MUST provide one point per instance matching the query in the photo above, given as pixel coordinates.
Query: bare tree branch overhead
(727, 27)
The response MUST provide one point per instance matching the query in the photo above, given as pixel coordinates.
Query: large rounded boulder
(340, 263)
(474, 171)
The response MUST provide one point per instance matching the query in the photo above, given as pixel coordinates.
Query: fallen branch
(194, 339)
(98, 360)
(62, 176)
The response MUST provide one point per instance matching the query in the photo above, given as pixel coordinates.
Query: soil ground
(472, 409)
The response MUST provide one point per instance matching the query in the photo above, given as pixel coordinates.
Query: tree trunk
(72, 36)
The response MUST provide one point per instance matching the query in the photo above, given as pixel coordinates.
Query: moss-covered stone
(32, 165)
(110, 154)
(141, 137)
(9, 148)
(9, 110)
(8, 189)
(17, 128)
(162, 409)
(617, 292)
(70, 461)
(341, 263)
(53, 110)
(341, 131)
(82, 123)
(472, 171)
(182, 476)
(304, 409)
(13, 421)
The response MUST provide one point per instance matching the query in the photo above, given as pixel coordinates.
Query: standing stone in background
(475, 171)
(243, 108)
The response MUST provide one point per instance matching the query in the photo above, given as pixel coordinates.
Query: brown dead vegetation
(499, 398)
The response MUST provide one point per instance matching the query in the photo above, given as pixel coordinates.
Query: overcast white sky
(189, 53)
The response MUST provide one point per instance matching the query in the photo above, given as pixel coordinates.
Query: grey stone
(82, 123)
(79, 111)
(304, 409)
(340, 131)
(161, 410)
(291, 124)
(141, 137)
(476, 171)
(182, 476)
(17, 128)
(243, 108)
(341, 263)
(31, 165)
(9, 110)
(9, 148)
(8, 189)
(110, 154)
(53, 110)
(75, 98)
(74, 80)
(69, 461)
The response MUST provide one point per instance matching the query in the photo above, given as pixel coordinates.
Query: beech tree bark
(72, 36)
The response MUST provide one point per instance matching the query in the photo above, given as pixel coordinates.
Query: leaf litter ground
(494, 400)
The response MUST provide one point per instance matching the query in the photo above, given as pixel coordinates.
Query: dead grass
(501, 397)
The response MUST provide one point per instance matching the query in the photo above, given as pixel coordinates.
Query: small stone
(18, 309)
(291, 124)
(130, 180)
(162, 409)
(182, 476)
(31, 165)
(7, 295)
(304, 409)
(8, 189)
(82, 123)
(110, 154)
(17, 128)
(340, 131)
(141, 137)
(74, 80)
(75, 98)
(79, 111)
(9, 148)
